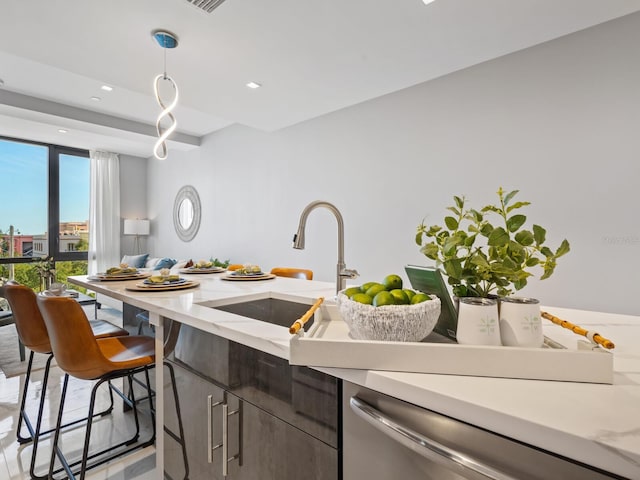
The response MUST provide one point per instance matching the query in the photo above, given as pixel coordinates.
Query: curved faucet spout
(298, 240)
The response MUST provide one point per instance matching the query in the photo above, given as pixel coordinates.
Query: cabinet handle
(424, 446)
(210, 447)
(225, 439)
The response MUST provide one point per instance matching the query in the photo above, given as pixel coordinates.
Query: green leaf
(498, 237)
(540, 234)
(509, 196)
(525, 237)
(453, 268)
(450, 244)
(470, 240)
(459, 202)
(454, 210)
(480, 261)
(431, 250)
(475, 215)
(563, 248)
(515, 222)
(486, 229)
(517, 205)
(532, 262)
(491, 208)
(419, 238)
(546, 251)
(451, 223)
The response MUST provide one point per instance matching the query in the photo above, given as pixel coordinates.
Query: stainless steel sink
(268, 309)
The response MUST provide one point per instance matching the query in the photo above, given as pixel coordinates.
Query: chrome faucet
(342, 273)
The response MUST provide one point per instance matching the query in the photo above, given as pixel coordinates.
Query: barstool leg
(37, 433)
(55, 451)
(180, 438)
(23, 415)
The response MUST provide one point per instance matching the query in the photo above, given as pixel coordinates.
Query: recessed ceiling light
(62, 130)
(253, 85)
(96, 99)
(106, 88)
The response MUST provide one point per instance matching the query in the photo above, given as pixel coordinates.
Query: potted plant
(481, 259)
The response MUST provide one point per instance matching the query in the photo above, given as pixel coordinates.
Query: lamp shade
(136, 227)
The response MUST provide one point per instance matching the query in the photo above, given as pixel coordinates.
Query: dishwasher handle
(424, 446)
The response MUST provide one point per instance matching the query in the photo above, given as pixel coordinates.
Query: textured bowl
(397, 323)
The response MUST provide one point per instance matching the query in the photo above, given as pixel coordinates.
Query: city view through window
(44, 212)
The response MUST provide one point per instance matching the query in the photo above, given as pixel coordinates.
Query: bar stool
(79, 354)
(32, 332)
(301, 273)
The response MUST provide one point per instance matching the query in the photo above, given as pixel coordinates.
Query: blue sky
(23, 182)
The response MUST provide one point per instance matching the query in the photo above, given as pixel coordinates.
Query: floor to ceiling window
(44, 210)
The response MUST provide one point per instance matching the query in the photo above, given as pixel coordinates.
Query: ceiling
(311, 58)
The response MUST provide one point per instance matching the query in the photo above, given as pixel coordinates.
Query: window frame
(53, 203)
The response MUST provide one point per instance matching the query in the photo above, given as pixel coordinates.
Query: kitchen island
(598, 425)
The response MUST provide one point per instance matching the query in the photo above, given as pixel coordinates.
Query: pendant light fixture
(166, 40)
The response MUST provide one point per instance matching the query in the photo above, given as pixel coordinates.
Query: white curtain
(104, 214)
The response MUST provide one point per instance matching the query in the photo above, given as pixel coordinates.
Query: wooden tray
(141, 287)
(117, 278)
(329, 344)
(266, 276)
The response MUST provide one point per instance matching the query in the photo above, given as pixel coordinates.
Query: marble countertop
(598, 425)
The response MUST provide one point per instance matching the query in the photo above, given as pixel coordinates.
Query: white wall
(560, 122)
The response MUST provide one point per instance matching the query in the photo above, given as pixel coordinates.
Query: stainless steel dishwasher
(386, 439)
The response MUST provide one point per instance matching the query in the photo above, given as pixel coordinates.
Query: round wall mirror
(186, 213)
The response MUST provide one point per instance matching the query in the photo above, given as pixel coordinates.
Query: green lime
(400, 296)
(410, 293)
(383, 298)
(392, 282)
(375, 289)
(419, 298)
(366, 286)
(351, 291)
(362, 298)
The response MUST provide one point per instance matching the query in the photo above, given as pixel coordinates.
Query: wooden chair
(301, 273)
(79, 354)
(32, 332)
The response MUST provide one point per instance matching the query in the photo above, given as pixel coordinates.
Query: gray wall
(133, 197)
(559, 122)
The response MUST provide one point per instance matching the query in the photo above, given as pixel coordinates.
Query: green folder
(429, 280)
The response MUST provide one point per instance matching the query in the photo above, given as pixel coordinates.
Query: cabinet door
(194, 396)
(271, 449)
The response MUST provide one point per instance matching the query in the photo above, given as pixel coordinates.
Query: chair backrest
(301, 273)
(72, 341)
(30, 325)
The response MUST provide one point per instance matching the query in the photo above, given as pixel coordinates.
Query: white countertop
(596, 424)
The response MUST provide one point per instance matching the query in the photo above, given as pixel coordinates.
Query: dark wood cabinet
(270, 419)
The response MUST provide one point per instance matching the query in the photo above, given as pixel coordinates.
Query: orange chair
(80, 354)
(32, 332)
(301, 273)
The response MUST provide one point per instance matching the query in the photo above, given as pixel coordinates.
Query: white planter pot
(520, 323)
(478, 321)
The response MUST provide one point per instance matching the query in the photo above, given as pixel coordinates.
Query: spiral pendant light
(165, 40)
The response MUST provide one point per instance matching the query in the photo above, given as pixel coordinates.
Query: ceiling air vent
(206, 5)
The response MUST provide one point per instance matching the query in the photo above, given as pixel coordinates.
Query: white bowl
(398, 323)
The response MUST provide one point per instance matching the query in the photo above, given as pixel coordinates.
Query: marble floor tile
(15, 458)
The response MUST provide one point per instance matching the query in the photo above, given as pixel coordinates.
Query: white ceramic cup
(520, 323)
(478, 321)
(57, 288)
